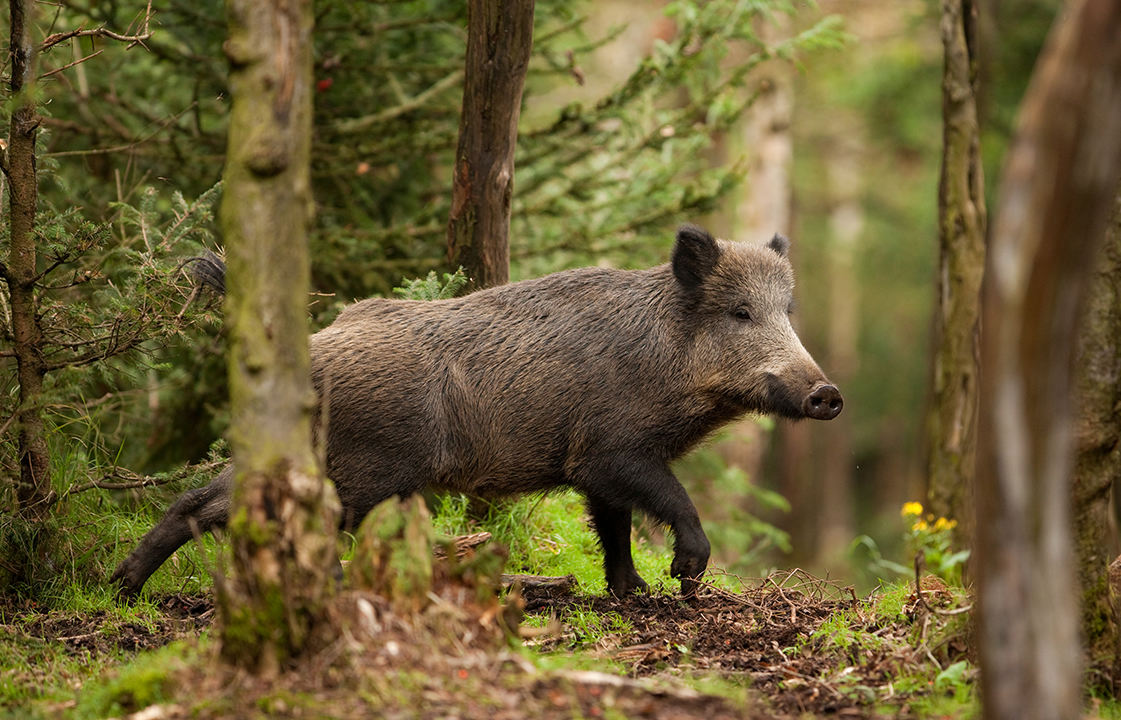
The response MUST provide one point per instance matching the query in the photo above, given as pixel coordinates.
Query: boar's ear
(694, 255)
(779, 244)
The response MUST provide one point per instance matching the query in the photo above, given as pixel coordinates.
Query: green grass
(91, 530)
(566, 660)
(844, 630)
(546, 535)
(550, 535)
(37, 672)
(1104, 708)
(590, 627)
(41, 675)
(146, 680)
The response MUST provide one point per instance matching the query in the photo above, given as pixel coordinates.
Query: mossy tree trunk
(499, 40)
(21, 272)
(1098, 445)
(1058, 184)
(33, 491)
(282, 520)
(952, 420)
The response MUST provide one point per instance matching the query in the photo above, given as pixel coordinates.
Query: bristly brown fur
(593, 379)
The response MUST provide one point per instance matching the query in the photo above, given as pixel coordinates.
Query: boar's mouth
(781, 399)
(822, 402)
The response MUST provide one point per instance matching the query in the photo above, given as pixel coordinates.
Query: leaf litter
(455, 659)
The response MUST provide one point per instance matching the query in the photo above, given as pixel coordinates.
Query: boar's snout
(823, 403)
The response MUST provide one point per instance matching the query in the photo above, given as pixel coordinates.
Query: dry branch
(102, 32)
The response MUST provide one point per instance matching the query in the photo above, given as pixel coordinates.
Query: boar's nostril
(824, 403)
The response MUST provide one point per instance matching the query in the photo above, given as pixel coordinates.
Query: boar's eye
(741, 313)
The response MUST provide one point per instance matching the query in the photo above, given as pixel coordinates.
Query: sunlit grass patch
(549, 534)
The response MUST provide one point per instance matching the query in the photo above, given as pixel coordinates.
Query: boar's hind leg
(209, 506)
(614, 527)
(651, 487)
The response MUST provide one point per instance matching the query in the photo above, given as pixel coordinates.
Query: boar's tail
(208, 271)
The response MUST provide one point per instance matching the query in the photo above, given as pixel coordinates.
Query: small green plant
(856, 629)
(837, 632)
(930, 680)
(926, 537)
(932, 538)
(431, 287)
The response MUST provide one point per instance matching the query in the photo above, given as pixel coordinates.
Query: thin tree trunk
(21, 273)
(952, 421)
(846, 224)
(800, 484)
(283, 515)
(1056, 193)
(761, 210)
(499, 40)
(1098, 441)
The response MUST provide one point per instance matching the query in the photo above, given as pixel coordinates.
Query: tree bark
(1098, 441)
(844, 173)
(763, 208)
(952, 420)
(282, 518)
(1061, 173)
(499, 40)
(33, 492)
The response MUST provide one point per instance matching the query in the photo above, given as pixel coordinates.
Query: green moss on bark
(283, 514)
(393, 555)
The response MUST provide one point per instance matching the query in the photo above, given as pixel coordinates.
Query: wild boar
(593, 379)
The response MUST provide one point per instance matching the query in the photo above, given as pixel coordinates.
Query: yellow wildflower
(920, 526)
(912, 509)
(944, 524)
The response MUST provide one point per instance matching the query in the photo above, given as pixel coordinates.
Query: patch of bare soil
(100, 633)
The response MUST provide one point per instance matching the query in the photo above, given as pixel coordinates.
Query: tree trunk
(1098, 446)
(844, 173)
(952, 421)
(763, 208)
(499, 40)
(1061, 173)
(21, 272)
(282, 519)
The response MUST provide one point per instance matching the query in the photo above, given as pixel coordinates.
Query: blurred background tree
(881, 97)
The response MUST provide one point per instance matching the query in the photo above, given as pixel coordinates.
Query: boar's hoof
(824, 403)
(127, 587)
(632, 583)
(689, 587)
(689, 569)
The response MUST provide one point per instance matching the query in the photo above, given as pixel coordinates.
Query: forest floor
(788, 646)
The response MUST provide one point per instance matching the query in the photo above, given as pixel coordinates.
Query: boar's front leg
(613, 524)
(209, 506)
(650, 486)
